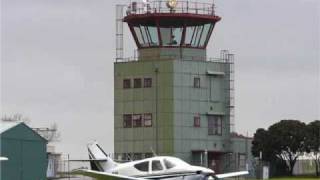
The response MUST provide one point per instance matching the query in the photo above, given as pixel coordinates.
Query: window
(205, 33)
(127, 121)
(214, 125)
(196, 82)
(196, 121)
(144, 166)
(126, 83)
(242, 161)
(168, 164)
(137, 83)
(171, 36)
(153, 33)
(137, 120)
(147, 82)
(156, 165)
(147, 36)
(147, 120)
(196, 36)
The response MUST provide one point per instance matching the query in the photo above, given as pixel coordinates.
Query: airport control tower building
(172, 99)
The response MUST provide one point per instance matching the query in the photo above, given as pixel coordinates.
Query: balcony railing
(173, 57)
(161, 6)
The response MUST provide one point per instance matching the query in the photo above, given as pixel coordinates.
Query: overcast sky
(57, 63)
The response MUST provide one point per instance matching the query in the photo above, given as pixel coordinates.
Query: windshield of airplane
(168, 164)
(176, 161)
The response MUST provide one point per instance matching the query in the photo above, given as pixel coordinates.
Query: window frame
(134, 121)
(215, 125)
(147, 82)
(126, 86)
(144, 120)
(197, 121)
(125, 121)
(135, 85)
(196, 82)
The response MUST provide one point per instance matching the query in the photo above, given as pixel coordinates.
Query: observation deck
(171, 24)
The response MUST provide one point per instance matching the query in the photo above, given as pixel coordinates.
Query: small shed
(26, 151)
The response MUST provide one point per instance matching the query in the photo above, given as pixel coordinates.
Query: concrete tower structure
(172, 99)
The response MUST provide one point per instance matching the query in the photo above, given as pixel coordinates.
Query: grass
(294, 178)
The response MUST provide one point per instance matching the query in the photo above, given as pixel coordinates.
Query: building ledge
(215, 73)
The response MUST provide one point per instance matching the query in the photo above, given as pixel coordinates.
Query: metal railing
(161, 6)
(171, 57)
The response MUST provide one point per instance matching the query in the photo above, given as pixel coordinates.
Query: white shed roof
(4, 126)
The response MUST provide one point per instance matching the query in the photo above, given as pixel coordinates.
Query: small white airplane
(3, 159)
(159, 167)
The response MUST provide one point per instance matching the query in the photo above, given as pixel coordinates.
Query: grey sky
(57, 63)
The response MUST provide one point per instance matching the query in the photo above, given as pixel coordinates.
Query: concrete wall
(26, 152)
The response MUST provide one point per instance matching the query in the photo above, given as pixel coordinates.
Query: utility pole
(157, 121)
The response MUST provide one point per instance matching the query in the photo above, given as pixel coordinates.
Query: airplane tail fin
(100, 160)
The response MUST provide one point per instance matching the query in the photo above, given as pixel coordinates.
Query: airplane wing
(233, 174)
(87, 160)
(3, 159)
(102, 175)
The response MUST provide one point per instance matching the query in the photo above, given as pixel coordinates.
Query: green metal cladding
(178, 102)
(26, 151)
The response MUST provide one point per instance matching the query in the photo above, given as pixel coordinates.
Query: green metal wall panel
(26, 151)
(143, 100)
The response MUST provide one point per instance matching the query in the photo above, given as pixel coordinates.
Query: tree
(288, 141)
(313, 142)
(50, 134)
(282, 143)
(261, 144)
(15, 118)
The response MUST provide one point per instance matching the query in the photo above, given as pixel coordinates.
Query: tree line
(284, 142)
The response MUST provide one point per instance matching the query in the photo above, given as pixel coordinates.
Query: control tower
(172, 99)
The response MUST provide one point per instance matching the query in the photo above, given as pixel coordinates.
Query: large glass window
(214, 125)
(195, 36)
(204, 35)
(171, 36)
(177, 35)
(139, 35)
(147, 35)
(153, 33)
(189, 35)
